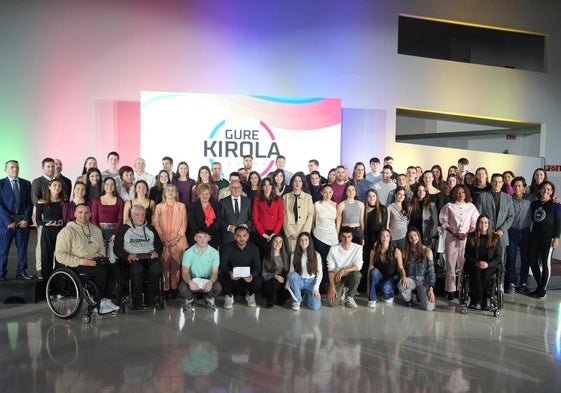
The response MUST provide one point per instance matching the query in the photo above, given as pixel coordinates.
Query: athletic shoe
(523, 289)
(228, 302)
(350, 302)
(188, 303)
(250, 299)
(511, 288)
(541, 295)
(372, 303)
(389, 301)
(210, 303)
(344, 294)
(107, 306)
(450, 296)
(296, 306)
(409, 303)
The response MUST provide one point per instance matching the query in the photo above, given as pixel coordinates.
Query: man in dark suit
(236, 211)
(15, 217)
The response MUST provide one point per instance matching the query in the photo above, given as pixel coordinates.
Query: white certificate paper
(241, 272)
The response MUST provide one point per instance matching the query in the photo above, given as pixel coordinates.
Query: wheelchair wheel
(64, 293)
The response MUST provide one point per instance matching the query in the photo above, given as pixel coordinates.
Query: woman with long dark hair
(482, 254)
(251, 188)
(538, 177)
(184, 183)
(275, 271)
(48, 214)
(305, 274)
(384, 269)
(419, 269)
(89, 162)
(93, 184)
(156, 192)
(544, 237)
(424, 216)
(267, 215)
(398, 217)
(204, 177)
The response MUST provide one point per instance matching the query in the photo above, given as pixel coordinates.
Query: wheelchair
(66, 291)
(125, 295)
(495, 291)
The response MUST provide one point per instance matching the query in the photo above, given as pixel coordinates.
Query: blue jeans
(306, 285)
(377, 281)
(517, 239)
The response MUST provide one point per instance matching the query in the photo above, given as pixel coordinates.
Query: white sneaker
(351, 303)
(250, 299)
(372, 303)
(228, 302)
(344, 294)
(389, 301)
(106, 306)
(210, 303)
(296, 306)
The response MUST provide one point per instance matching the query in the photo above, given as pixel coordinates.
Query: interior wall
(72, 71)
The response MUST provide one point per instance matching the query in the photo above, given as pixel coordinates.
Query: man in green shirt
(199, 271)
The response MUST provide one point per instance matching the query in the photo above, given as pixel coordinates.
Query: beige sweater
(72, 244)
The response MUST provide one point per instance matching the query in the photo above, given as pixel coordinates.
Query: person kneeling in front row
(344, 262)
(199, 271)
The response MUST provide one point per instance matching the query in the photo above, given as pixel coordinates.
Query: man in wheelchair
(482, 255)
(79, 245)
(138, 244)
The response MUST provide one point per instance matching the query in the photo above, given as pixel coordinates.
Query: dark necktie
(236, 207)
(295, 207)
(16, 193)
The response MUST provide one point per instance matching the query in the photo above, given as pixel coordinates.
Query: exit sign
(553, 168)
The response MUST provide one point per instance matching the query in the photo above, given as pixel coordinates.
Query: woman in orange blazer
(170, 220)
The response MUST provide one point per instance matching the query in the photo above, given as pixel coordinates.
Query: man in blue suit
(236, 211)
(15, 218)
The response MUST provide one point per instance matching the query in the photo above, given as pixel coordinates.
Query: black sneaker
(523, 289)
(24, 276)
(450, 296)
(511, 288)
(541, 295)
(409, 303)
(3, 278)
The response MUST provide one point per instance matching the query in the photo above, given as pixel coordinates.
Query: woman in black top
(48, 213)
(546, 218)
(482, 256)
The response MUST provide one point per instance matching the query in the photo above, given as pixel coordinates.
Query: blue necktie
(15, 186)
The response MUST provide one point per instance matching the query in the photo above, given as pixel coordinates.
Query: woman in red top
(268, 215)
(107, 213)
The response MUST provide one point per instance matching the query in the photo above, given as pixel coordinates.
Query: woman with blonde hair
(205, 214)
(170, 221)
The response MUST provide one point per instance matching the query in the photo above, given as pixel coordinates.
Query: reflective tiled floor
(389, 349)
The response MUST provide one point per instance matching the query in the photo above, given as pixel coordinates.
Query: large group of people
(285, 235)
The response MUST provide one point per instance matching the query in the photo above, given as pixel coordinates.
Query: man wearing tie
(15, 217)
(236, 211)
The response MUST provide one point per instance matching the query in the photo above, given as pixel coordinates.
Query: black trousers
(138, 270)
(230, 286)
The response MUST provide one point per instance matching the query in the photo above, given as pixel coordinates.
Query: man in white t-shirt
(344, 262)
